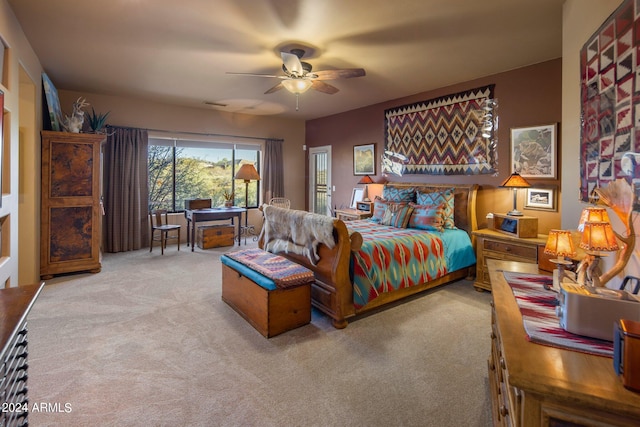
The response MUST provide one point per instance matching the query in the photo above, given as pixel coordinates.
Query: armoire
(71, 211)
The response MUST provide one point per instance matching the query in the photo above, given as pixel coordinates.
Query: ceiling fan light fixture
(297, 86)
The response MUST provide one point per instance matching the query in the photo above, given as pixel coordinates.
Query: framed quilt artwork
(450, 135)
(610, 100)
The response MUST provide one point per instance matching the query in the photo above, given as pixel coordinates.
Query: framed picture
(356, 197)
(533, 151)
(543, 199)
(53, 103)
(364, 159)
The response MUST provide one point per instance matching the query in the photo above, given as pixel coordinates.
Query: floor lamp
(247, 173)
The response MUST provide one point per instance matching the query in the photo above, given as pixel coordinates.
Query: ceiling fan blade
(255, 75)
(324, 87)
(346, 73)
(292, 63)
(274, 89)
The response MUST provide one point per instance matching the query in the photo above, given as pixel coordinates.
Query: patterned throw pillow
(380, 206)
(397, 215)
(426, 217)
(395, 194)
(445, 198)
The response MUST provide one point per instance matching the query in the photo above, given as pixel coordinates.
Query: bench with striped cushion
(271, 292)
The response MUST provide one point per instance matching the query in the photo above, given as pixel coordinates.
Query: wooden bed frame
(332, 292)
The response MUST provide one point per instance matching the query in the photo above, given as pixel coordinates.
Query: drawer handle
(502, 364)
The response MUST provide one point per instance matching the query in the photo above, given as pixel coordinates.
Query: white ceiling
(178, 52)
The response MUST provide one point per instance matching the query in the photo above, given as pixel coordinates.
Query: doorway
(320, 180)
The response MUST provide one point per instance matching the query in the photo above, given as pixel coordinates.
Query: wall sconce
(515, 181)
(560, 244)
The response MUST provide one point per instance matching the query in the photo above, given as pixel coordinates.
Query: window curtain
(126, 189)
(273, 179)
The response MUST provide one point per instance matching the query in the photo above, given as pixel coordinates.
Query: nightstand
(352, 214)
(491, 244)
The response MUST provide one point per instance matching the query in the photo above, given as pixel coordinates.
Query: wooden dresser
(537, 385)
(493, 244)
(15, 304)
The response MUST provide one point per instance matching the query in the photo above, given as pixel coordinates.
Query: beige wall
(19, 260)
(150, 115)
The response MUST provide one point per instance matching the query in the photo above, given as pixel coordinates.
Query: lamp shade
(297, 85)
(598, 236)
(365, 180)
(248, 172)
(593, 214)
(515, 181)
(560, 244)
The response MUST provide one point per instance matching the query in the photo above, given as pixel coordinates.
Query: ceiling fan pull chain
(297, 98)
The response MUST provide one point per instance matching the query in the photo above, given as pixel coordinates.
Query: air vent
(215, 104)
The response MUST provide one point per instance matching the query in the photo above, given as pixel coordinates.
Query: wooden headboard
(464, 201)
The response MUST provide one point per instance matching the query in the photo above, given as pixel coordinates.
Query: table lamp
(515, 181)
(247, 173)
(592, 214)
(597, 237)
(366, 180)
(560, 244)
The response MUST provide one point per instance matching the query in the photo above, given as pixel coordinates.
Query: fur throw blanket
(298, 232)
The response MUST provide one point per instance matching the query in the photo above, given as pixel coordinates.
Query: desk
(210, 214)
(536, 385)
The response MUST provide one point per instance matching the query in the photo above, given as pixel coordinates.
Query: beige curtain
(273, 172)
(126, 189)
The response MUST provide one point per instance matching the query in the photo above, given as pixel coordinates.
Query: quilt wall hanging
(610, 101)
(450, 135)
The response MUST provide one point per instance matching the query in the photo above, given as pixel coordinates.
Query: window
(180, 170)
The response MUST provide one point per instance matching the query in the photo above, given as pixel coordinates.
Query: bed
(364, 265)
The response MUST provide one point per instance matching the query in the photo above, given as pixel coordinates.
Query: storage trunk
(270, 312)
(214, 236)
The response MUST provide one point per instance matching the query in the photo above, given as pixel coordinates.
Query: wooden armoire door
(70, 221)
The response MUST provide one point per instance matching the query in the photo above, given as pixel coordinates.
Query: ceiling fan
(298, 77)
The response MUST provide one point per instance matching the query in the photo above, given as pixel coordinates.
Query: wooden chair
(161, 224)
(280, 202)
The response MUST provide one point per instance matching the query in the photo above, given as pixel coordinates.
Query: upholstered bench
(272, 293)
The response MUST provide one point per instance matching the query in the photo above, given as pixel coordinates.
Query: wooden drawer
(510, 249)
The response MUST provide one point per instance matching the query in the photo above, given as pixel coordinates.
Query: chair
(161, 220)
(280, 202)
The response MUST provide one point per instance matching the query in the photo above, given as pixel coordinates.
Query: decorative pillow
(395, 194)
(445, 198)
(426, 217)
(397, 215)
(380, 206)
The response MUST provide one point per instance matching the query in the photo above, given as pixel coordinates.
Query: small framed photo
(356, 197)
(364, 159)
(542, 199)
(533, 151)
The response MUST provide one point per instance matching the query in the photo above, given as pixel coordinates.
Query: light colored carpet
(148, 341)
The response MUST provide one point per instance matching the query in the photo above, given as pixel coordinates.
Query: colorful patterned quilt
(392, 258)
